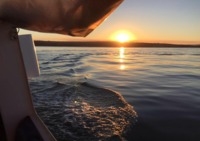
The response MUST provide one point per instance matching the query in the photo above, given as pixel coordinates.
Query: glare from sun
(123, 36)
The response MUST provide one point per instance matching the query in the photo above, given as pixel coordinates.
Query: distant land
(110, 44)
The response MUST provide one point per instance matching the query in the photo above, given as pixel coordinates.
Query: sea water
(133, 94)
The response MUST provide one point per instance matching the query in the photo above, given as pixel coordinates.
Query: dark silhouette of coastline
(111, 44)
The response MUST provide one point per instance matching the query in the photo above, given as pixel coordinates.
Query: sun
(123, 36)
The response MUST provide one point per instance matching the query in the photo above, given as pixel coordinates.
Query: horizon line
(124, 43)
(110, 44)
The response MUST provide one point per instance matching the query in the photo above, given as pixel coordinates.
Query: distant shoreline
(111, 44)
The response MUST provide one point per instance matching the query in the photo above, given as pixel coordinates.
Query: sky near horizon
(174, 21)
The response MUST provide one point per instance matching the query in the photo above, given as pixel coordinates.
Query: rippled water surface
(134, 94)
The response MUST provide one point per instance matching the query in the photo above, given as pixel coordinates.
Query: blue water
(134, 94)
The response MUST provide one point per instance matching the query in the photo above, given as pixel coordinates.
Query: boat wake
(83, 112)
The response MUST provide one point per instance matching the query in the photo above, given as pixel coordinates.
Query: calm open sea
(134, 94)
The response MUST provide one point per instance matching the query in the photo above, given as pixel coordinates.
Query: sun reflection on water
(121, 52)
(121, 58)
(122, 67)
(121, 61)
